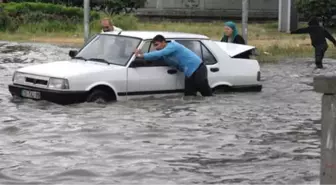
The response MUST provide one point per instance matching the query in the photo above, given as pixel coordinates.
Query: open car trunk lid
(234, 49)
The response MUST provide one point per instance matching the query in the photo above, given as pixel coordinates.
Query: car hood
(64, 69)
(233, 49)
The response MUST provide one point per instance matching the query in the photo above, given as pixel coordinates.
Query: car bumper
(58, 97)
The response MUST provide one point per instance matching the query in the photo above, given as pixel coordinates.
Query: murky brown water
(243, 138)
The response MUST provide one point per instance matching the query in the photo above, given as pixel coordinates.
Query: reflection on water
(267, 137)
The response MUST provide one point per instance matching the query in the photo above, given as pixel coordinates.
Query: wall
(327, 86)
(259, 9)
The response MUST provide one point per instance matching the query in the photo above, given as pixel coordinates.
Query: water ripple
(234, 138)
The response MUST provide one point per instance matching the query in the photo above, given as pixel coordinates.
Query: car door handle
(214, 69)
(172, 71)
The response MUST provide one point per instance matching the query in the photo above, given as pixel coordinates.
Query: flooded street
(243, 138)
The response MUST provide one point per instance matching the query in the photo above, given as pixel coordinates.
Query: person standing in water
(231, 35)
(318, 36)
(179, 56)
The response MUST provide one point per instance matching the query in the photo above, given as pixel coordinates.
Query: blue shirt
(175, 54)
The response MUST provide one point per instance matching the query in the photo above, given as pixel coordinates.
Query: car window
(208, 58)
(148, 47)
(200, 50)
(151, 47)
(114, 49)
(193, 45)
(197, 48)
(145, 47)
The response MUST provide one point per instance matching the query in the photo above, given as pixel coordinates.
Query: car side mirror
(137, 62)
(73, 53)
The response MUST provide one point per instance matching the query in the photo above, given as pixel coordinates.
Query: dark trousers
(198, 82)
(319, 54)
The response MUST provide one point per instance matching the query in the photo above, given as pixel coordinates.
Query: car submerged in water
(105, 69)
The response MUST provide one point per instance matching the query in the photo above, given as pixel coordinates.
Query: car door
(203, 52)
(214, 71)
(150, 77)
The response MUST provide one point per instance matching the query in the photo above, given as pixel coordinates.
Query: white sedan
(105, 69)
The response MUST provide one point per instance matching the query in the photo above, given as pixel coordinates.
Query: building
(214, 9)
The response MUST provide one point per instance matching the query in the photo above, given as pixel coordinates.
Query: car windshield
(113, 49)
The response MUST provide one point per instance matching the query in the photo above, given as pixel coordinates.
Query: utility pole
(159, 4)
(288, 16)
(245, 7)
(86, 20)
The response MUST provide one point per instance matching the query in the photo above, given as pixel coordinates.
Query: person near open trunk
(231, 35)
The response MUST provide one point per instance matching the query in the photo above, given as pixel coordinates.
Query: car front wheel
(98, 96)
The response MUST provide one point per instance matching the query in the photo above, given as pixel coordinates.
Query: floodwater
(243, 138)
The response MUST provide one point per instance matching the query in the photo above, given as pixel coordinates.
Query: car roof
(167, 34)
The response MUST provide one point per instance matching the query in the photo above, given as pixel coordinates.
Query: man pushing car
(176, 55)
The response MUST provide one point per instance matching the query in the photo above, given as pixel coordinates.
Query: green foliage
(7, 23)
(323, 9)
(109, 6)
(60, 11)
(44, 17)
(126, 22)
(123, 21)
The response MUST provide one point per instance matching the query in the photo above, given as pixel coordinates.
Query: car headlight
(58, 83)
(18, 77)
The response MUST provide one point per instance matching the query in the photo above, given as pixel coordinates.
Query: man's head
(159, 42)
(106, 25)
(313, 21)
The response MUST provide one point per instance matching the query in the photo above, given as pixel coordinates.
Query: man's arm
(155, 55)
(329, 37)
(301, 30)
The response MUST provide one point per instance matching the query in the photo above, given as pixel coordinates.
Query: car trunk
(235, 50)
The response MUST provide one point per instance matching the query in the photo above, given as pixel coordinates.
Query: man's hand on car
(138, 53)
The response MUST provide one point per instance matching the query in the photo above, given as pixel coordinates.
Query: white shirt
(115, 30)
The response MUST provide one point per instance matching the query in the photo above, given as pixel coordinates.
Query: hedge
(17, 9)
(46, 17)
(14, 15)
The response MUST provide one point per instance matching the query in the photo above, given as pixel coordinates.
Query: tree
(323, 9)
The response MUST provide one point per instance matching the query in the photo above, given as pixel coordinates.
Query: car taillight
(258, 76)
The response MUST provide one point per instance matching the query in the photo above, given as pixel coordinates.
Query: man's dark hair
(313, 21)
(159, 38)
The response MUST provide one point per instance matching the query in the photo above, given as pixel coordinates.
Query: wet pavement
(243, 138)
